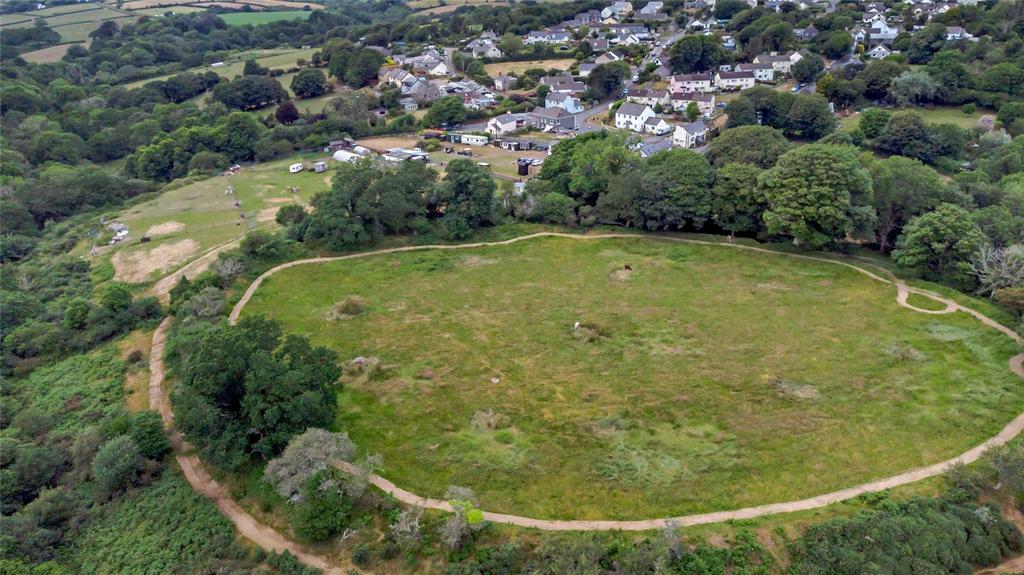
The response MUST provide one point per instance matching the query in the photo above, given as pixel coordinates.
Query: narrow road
(1010, 431)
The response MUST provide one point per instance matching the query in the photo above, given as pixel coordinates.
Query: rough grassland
(712, 379)
(202, 213)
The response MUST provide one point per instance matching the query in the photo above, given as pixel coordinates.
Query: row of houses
(642, 119)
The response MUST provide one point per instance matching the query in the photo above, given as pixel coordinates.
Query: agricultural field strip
(1010, 431)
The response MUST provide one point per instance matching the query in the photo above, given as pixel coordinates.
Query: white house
(547, 37)
(956, 34)
(501, 125)
(648, 97)
(762, 72)
(734, 80)
(631, 116)
(481, 48)
(617, 10)
(690, 135)
(700, 82)
(567, 102)
(879, 52)
(657, 126)
(782, 63)
(652, 8)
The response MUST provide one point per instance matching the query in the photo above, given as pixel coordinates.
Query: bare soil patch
(165, 228)
(267, 215)
(134, 267)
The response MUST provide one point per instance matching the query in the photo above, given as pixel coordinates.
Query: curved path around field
(903, 291)
(200, 480)
(270, 539)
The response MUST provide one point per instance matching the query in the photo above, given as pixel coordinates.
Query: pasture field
(519, 67)
(185, 222)
(48, 54)
(705, 378)
(233, 66)
(257, 18)
(73, 22)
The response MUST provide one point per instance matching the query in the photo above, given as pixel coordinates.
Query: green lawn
(721, 379)
(257, 18)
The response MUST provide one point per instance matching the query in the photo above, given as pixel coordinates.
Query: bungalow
(547, 37)
(480, 48)
(409, 104)
(504, 83)
(553, 119)
(762, 72)
(501, 125)
(608, 58)
(700, 82)
(599, 44)
(569, 87)
(957, 33)
(806, 34)
(617, 10)
(657, 126)
(705, 101)
(421, 90)
(690, 135)
(652, 7)
(567, 102)
(632, 116)
(648, 97)
(734, 80)
(586, 68)
(648, 150)
(699, 25)
(879, 52)
(552, 81)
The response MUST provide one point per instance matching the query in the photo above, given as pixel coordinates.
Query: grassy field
(50, 54)
(503, 162)
(519, 67)
(937, 115)
(717, 378)
(188, 221)
(73, 22)
(273, 59)
(257, 18)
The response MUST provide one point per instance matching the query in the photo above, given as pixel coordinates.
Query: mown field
(185, 222)
(257, 18)
(706, 378)
(520, 67)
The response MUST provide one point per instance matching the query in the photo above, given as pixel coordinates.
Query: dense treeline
(819, 195)
(367, 201)
(937, 535)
